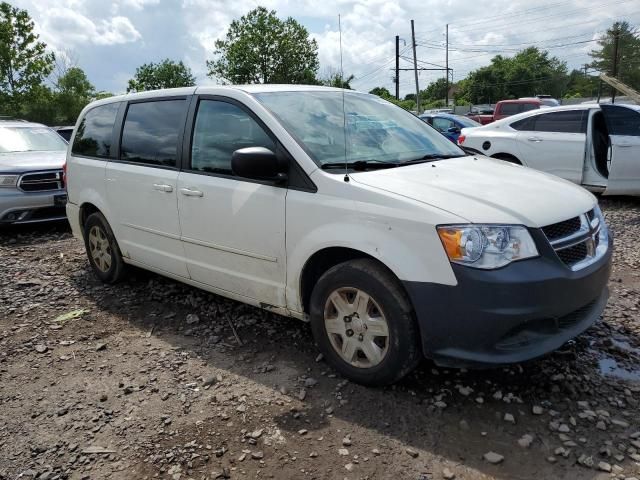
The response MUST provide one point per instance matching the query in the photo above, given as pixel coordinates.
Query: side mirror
(453, 130)
(258, 163)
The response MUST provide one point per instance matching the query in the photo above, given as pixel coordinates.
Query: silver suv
(32, 188)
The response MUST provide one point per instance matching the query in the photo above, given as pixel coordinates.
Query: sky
(109, 39)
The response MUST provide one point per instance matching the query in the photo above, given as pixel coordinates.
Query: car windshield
(376, 130)
(30, 139)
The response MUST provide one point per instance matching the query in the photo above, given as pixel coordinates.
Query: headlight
(486, 246)
(8, 180)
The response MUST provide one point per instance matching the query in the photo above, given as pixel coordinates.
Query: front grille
(41, 181)
(572, 255)
(575, 239)
(562, 229)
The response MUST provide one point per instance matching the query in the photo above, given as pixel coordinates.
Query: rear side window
(573, 121)
(151, 132)
(221, 128)
(95, 132)
(622, 121)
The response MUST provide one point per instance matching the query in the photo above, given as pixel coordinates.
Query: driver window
(220, 129)
(442, 124)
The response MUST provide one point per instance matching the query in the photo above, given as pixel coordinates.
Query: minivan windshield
(376, 130)
(30, 139)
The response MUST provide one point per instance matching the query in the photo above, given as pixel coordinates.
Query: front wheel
(102, 249)
(364, 324)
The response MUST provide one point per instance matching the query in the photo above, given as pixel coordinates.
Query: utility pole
(616, 41)
(397, 77)
(446, 102)
(415, 66)
(585, 67)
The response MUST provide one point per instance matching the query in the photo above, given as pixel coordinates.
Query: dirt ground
(155, 379)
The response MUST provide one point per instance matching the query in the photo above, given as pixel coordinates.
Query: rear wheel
(102, 249)
(363, 323)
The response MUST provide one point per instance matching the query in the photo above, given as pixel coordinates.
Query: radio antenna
(344, 112)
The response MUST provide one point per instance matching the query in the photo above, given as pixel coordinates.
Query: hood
(485, 190)
(20, 162)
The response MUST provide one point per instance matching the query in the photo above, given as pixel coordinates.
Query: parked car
(372, 226)
(64, 132)
(597, 146)
(507, 108)
(449, 125)
(31, 176)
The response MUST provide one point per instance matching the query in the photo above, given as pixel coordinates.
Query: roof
(20, 123)
(522, 100)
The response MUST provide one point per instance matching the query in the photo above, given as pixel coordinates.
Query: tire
(102, 248)
(365, 287)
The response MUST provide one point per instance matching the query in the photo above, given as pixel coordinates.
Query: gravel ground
(155, 379)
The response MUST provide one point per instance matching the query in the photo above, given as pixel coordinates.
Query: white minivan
(343, 210)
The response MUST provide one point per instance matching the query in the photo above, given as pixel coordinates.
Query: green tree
(580, 85)
(24, 61)
(261, 48)
(166, 74)
(529, 72)
(435, 91)
(335, 79)
(381, 92)
(628, 53)
(74, 92)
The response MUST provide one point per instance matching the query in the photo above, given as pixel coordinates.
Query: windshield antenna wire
(344, 113)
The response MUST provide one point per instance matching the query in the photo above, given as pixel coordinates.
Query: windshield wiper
(430, 157)
(359, 165)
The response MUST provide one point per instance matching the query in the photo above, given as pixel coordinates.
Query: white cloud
(67, 28)
(187, 29)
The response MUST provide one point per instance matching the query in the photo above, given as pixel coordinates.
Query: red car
(506, 108)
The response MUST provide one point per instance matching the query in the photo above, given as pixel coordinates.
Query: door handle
(163, 187)
(191, 193)
(534, 139)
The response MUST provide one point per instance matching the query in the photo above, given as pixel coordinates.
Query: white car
(341, 209)
(597, 146)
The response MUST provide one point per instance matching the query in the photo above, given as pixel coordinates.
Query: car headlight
(486, 246)
(8, 180)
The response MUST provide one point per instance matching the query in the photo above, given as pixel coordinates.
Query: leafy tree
(74, 92)
(381, 92)
(581, 86)
(529, 72)
(435, 91)
(628, 53)
(166, 74)
(386, 94)
(261, 48)
(38, 105)
(24, 61)
(336, 80)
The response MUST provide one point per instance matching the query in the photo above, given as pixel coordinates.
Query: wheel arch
(507, 157)
(326, 258)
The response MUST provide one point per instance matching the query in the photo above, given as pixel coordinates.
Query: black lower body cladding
(511, 314)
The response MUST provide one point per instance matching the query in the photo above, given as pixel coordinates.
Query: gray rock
(604, 467)
(40, 348)
(448, 474)
(412, 453)
(259, 455)
(493, 458)
(525, 441)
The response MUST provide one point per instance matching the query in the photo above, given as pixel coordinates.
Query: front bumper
(509, 315)
(17, 207)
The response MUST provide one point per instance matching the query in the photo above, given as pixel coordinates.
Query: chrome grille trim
(41, 181)
(591, 227)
